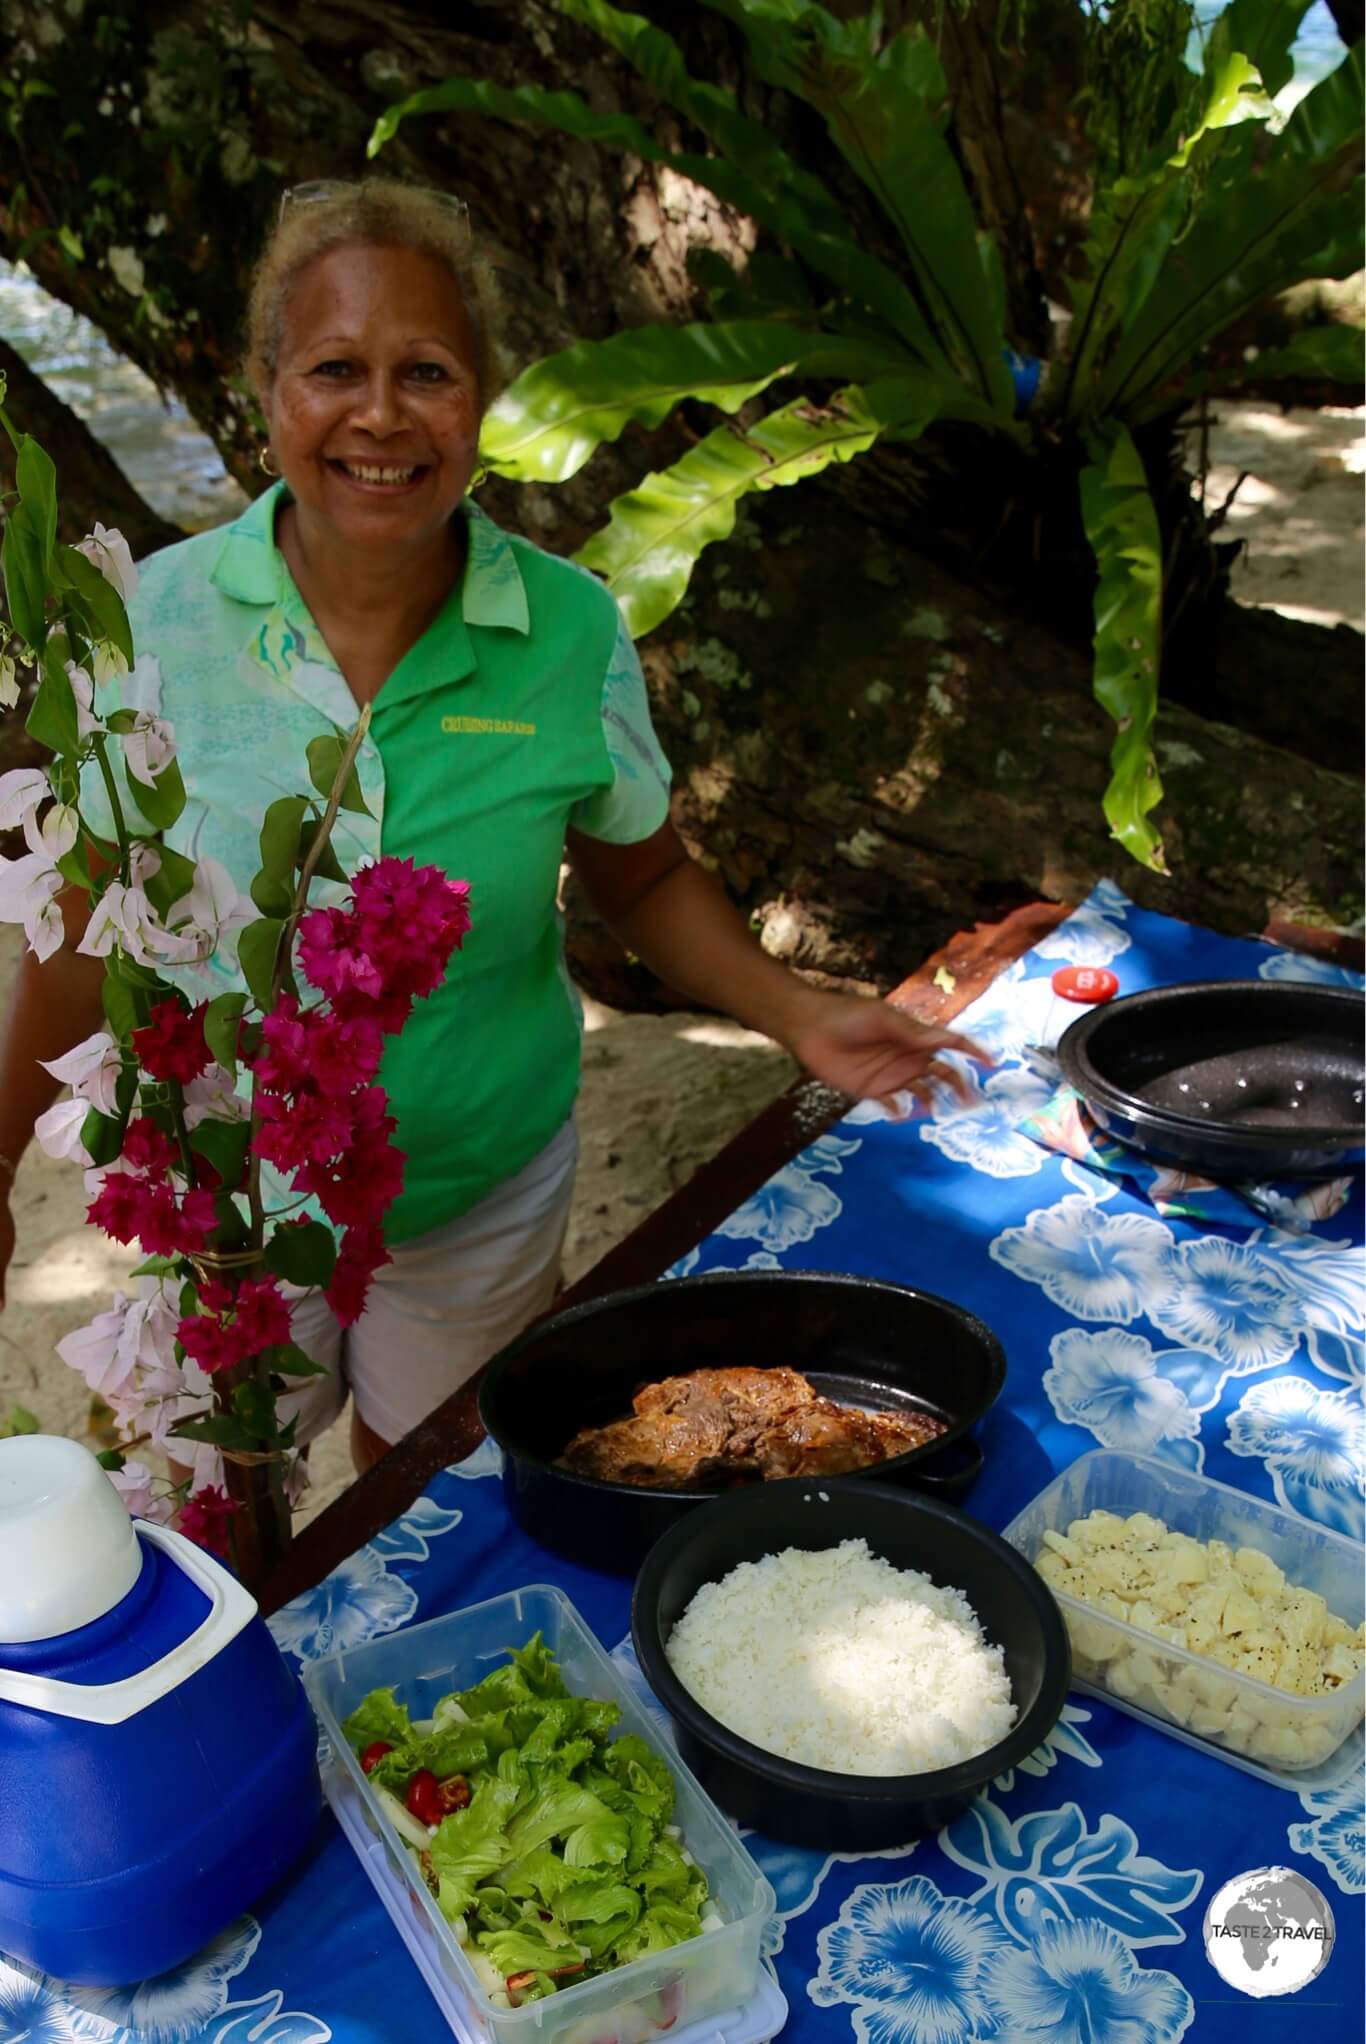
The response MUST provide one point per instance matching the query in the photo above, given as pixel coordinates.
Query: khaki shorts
(448, 1301)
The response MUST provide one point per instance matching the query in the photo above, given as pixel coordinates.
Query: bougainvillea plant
(177, 1102)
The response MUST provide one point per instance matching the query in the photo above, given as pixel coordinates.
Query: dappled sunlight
(80, 1265)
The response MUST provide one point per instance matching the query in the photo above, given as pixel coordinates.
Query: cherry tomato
(424, 1797)
(374, 1754)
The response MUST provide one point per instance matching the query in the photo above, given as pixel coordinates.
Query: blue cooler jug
(158, 1758)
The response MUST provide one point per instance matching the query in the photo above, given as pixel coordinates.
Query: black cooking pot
(815, 1806)
(861, 1341)
(1232, 1078)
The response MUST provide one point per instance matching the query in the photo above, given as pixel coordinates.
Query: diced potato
(1340, 1665)
(1060, 1544)
(1240, 1613)
(1220, 1555)
(1126, 1574)
(1142, 1531)
(1258, 1570)
(1141, 1613)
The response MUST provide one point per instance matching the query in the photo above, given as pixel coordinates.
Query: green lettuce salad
(562, 1862)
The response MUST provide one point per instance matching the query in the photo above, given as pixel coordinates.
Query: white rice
(841, 1661)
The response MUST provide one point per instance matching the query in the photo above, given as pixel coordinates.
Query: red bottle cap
(1085, 983)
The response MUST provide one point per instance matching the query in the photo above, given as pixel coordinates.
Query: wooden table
(940, 989)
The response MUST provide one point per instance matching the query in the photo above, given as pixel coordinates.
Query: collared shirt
(520, 711)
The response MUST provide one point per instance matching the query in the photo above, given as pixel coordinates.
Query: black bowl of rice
(847, 1664)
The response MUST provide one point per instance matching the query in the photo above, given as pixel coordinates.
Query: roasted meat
(713, 1426)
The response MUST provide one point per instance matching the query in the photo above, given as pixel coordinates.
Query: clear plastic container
(1299, 1742)
(662, 1992)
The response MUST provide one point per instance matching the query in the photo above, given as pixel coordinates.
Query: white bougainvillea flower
(124, 917)
(57, 833)
(107, 662)
(91, 1070)
(28, 891)
(83, 688)
(9, 682)
(104, 1351)
(134, 1485)
(106, 547)
(211, 1097)
(21, 792)
(211, 908)
(58, 1132)
(126, 266)
(148, 747)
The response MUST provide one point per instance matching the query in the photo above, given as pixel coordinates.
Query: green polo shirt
(520, 711)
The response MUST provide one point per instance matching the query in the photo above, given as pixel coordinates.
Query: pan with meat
(741, 1425)
(787, 1374)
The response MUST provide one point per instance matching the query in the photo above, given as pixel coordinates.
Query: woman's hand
(874, 1051)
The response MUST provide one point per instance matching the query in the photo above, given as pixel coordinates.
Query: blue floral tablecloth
(1066, 1906)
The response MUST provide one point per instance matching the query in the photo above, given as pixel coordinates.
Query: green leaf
(1135, 222)
(221, 1019)
(171, 882)
(220, 1429)
(224, 1143)
(161, 800)
(748, 145)
(324, 764)
(882, 104)
(52, 720)
(257, 945)
(280, 835)
(104, 616)
(545, 427)
(272, 897)
(157, 1266)
(1257, 231)
(110, 1458)
(329, 866)
(1333, 353)
(37, 480)
(72, 868)
(820, 237)
(120, 1003)
(647, 550)
(102, 1136)
(290, 1361)
(303, 1254)
(254, 1404)
(1121, 525)
(1265, 32)
(21, 562)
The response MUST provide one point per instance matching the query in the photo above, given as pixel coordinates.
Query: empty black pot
(809, 1805)
(1233, 1078)
(861, 1341)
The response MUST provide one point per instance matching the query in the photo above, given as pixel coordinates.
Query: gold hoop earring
(263, 462)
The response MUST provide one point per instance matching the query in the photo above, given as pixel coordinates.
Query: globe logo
(1269, 1931)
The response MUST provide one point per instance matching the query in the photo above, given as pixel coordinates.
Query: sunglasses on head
(323, 188)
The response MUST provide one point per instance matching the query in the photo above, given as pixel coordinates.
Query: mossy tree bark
(874, 786)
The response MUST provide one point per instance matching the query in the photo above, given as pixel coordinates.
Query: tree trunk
(889, 757)
(870, 771)
(92, 481)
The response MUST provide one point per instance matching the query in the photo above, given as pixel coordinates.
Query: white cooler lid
(68, 1552)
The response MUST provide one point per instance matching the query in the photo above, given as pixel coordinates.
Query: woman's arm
(670, 912)
(53, 1006)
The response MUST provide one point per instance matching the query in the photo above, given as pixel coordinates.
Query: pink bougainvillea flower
(304, 1130)
(204, 1519)
(171, 1045)
(133, 1208)
(344, 1053)
(282, 1062)
(257, 1319)
(331, 957)
(360, 1256)
(262, 1315)
(146, 1148)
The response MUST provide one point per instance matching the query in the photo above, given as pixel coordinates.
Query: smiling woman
(508, 725)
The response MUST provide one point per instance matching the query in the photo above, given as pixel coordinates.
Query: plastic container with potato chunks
(1295, 1741)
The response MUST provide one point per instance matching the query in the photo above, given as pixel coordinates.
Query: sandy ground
(663, 1094)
